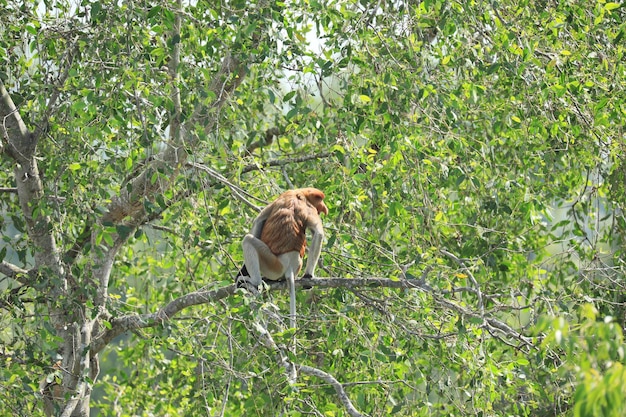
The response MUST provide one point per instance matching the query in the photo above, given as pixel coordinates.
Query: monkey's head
(316, 198)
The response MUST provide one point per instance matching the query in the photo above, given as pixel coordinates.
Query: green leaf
(289, 96)
(291, 113)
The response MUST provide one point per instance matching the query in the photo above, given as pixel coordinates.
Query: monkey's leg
(259, 261)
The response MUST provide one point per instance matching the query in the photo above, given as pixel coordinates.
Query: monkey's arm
(315, 248)
(259, 222)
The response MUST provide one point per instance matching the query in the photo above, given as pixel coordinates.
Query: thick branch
(166, 164)
(20, 143)
(128, 208)
(134, 322)
(21, 146)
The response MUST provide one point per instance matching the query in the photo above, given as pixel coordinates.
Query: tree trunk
(70, 394)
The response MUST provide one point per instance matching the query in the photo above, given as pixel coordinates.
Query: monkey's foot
(307, 287)
(242, 282)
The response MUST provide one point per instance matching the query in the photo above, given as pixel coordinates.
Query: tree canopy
(472, 157)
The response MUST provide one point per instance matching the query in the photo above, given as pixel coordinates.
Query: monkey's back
(285, 228)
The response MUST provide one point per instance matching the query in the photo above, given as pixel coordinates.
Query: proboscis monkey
(275, 246)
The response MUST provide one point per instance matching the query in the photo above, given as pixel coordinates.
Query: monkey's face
(321, 207)
(316, 198)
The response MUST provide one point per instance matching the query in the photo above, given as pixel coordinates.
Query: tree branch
(64, 72)
(283, 162)
(266, 140)
(283, 359)
(129, 203)
(20, 143)
(473, 280)
(341, 393)
(21, 146)
(134, 322)
(123, 324)
(128, 207)
(290, 369)
(15, 272)
(237, 191)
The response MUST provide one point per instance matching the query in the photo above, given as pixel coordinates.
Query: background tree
(472, 158)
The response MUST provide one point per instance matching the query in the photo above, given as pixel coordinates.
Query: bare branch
(15, 272)
(285, 161)
(21, 146)
(20, 143)
(134, 322)
(237, 191)
(290, 369)
(341, 393)
(268, 341)
(123, 324)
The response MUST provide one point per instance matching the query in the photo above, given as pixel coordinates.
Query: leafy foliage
(473, 147)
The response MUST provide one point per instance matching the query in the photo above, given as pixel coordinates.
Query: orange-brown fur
(276, 243)
(285, 228)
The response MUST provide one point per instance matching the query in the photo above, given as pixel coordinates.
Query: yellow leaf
(612, 6)
(460, 275)
(364, 98)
